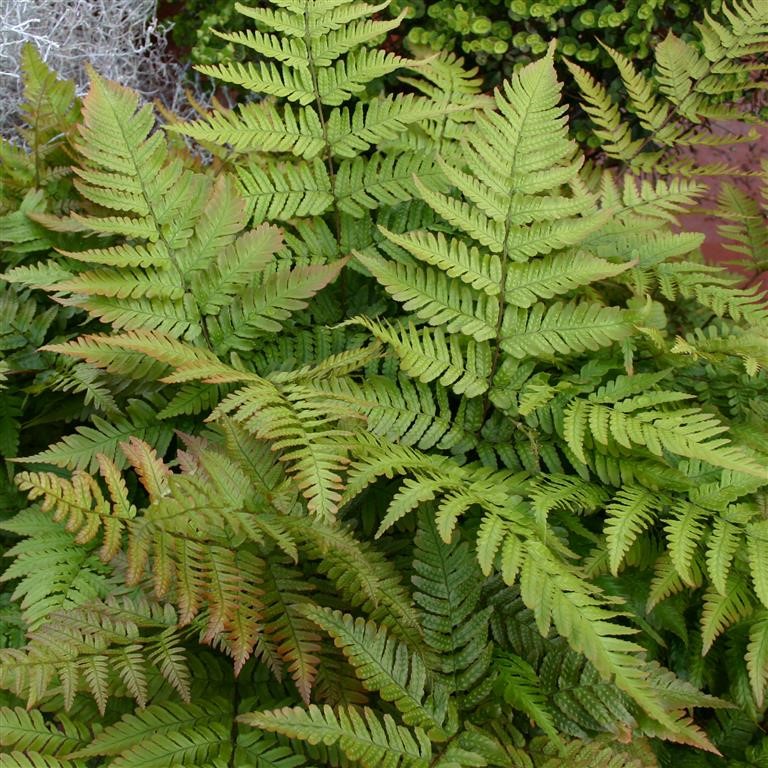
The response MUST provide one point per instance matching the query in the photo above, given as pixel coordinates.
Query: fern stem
(502, 288)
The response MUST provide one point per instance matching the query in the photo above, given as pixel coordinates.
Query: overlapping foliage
(397, 435)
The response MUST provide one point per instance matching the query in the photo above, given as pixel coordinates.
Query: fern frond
(235, 267)
(520, 687)
(686, 432)
(284, 191)
(28, 731)
(558, 274)
(434, 298)
(261, 126)
(722, 611)
(684, 532)
(155, 720)
(292, 638)
(563, 329)
(614, 134)
(365, 578)
(757, 656)
(452, 256)
(385, 666)
(447, 584)
(757, 550)
(80, 450)
(745, 229)
(722, 544)
(630, 512)
(364, 184)
(54, 573)
(553, 594)
(294, 420)
(360, 734)
(32, 759)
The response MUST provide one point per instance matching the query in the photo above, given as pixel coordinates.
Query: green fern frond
(684, 532)
(604, 752)
(364, 184)
(80, 450)
(447, 584)
(722, 544)
(32, 759)
(519, 686)
(558, 274)
(283, 192)
(686, 432)
(294, 419)
(757, 656)
(360, 733)
(722, 611)
(365, 578)
(28, 731)
(153, 721)
(562, 329)
(261, 126)
(630, 512)
(432, 355)
(557, 596)
(385, 666)
(614, 134)
(54, 573)
(757, 550)
(434, 298)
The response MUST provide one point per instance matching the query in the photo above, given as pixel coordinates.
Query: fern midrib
(504, 265)
(321, 116)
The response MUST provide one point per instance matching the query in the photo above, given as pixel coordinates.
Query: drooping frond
(64, 656)
(637, 420)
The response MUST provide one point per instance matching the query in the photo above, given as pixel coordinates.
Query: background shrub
(497, 33)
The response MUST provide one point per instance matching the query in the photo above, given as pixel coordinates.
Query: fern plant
(468, 472)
